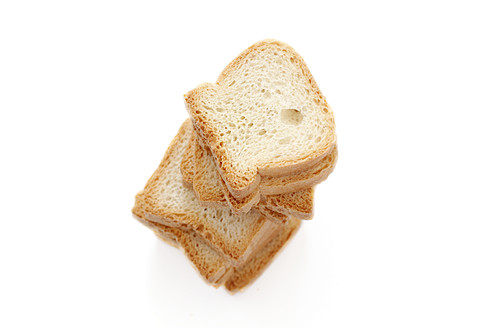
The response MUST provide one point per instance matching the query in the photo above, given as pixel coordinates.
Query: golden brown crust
(305, 197)
(222, 198)
(215, 269)
(188, 163)
(271, 214)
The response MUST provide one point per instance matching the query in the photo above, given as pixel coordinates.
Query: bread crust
(301, 208)
(218, 195)
(302, 179)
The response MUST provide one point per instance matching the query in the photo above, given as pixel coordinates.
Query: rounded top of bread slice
(264, 116)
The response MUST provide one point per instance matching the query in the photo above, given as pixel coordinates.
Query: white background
(91, 95)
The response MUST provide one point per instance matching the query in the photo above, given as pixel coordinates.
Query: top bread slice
(167, 201)
(265, 116)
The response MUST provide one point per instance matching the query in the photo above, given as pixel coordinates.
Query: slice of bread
(211, 266)
(265, 116)
(167, 201)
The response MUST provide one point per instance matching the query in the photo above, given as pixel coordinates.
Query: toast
(167, 201)
(264, 117)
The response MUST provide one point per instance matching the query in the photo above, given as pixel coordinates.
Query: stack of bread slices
(239, 177)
